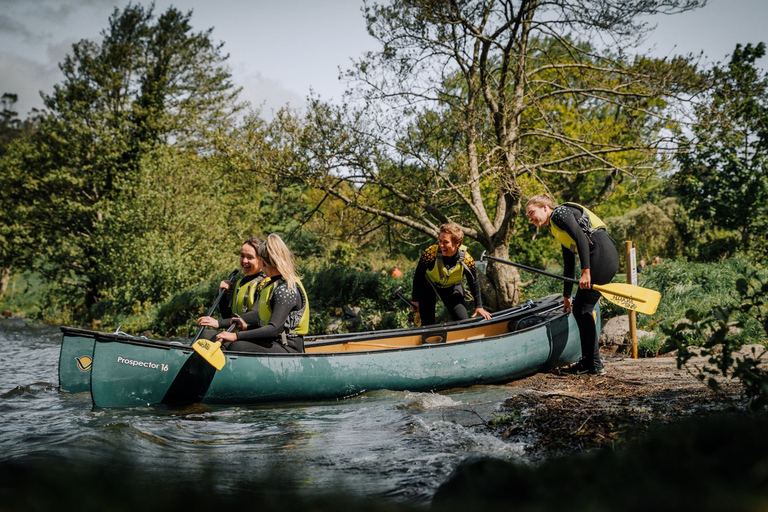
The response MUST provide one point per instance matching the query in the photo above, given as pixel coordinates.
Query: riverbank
(647, 435)
(556, 414)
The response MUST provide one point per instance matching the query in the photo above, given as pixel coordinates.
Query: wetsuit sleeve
(565, 218)
(569, 265)
(472, 282)
(225, 307)
(420, 284)
(283, 301)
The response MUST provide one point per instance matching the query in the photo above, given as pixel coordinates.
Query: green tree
(723, 179)
(471, 106)
(12, 129)
(119, 171)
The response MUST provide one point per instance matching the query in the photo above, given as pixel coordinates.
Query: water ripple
(391, 445)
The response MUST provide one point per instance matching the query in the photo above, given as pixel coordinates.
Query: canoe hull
(75, 358)
(134, 373)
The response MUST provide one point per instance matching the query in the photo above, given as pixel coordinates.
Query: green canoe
(75, 359)
(130, 371)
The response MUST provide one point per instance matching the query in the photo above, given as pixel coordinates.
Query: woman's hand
(567, 304)
(209, 321)
(483, 313)
(415, 306)
(585, 282)
(226, 337)
(241, 325)
(225, 285)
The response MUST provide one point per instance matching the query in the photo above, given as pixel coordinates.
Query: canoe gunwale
(541, 307)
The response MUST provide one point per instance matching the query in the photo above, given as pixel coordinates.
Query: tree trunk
(5, 278)
(505, 282)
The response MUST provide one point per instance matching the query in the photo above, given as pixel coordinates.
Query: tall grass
(701, 287)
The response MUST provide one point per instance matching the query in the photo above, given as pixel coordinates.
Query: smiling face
(250, 264)
(538, 215)
(447, 245)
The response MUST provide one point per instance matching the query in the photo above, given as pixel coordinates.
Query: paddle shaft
(629, 296)
(213, 308)
(397, 293)
(530, 269)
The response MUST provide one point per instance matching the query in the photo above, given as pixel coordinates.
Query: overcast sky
(281, 49)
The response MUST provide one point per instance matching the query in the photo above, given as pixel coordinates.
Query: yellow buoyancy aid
(442, 277)
(588, 223)
(298, 321)
(244, 296)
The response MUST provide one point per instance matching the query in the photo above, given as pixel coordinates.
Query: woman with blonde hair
(580, 232)
(440, 273)
(282, 318)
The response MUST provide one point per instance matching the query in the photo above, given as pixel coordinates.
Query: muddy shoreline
(556, 414)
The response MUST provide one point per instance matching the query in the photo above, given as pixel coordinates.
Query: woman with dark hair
(241, 295)
(581, 232)
(281, 319)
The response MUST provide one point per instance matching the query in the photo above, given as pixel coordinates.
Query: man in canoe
(581, 232)
(241, 295)
(282, 317)
(440, 273)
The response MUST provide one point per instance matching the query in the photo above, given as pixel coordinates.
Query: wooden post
(632, 279)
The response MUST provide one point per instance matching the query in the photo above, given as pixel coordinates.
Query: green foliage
(652, 346)
(699, 287)
(178, 315)
(724, 178)
(652, 231)
(337, 287)
(720, 346)
(24, 294)
(115, 197)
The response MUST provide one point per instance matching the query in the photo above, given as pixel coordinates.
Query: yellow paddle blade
(629, 296)
(211, 352)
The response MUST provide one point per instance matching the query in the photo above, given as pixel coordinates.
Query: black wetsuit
(425, 292)
(267, 338)
(596, 253)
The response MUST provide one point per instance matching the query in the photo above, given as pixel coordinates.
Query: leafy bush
(336, 287)
(177, 316)
(716, 327)
(700, 287)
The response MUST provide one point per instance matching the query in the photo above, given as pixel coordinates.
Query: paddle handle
(397, 293)
(213, 308)
(530, 269)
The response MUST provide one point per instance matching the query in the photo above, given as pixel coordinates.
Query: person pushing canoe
(440, 273)
(581, 232)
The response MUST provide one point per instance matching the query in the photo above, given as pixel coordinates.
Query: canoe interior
(434, 334)
(503, 322)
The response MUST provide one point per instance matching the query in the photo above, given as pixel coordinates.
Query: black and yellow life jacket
(244, 296)
(297, 321)
(438, 274)
(588, 223)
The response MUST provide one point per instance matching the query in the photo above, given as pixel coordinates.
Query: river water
(396, 446)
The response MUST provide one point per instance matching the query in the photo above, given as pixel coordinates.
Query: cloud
(12, 27)
(265, 94)
(26, 78)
